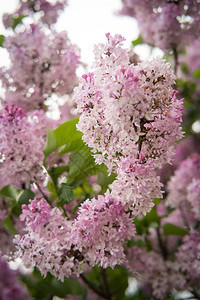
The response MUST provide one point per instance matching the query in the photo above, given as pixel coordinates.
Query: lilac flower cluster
(156, 275)
(41, 65)
(177, 260)
(183, 187)
(22, 138)
(130, 117)
(63, 247)
(10, 287)
(166, 24)
(46, 12)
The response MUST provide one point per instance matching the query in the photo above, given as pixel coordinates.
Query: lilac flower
(45, 11)
(127, 110)
(136, 186)
(102, 226)
(41, 65)
(166, 24)
(63, 247)
(188, 257)
(22, 139)
(183, 182)
(10, 287)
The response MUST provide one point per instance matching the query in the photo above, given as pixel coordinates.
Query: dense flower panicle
(41, 64)
(10, 287)
(47, 242)
(166, 24)
(22, 139)
(193, 196)
(46, 12)
(150, 268)
(186, 147)
(101, 228)
(136, 186)
(183, 182)
(128, 110)
(188, 257)
(63, 247)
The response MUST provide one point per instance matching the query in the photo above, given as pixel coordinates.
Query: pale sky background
(86, 22)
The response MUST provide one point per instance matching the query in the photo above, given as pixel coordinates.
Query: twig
(92, 287)
(43, 194)
(162, 246)
(175, 60)
(105, 284)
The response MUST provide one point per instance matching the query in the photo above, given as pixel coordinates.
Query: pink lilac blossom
(22, 139)
(181, 184)
(127, 110)
(63, 247)
(46, 12)
(136, 186)
(188, 257)
(101, 228)
(41, 65)
(183, 150)
(193, 196)
(166, 24)
(162, 276)
(47, 242)
(10, 286)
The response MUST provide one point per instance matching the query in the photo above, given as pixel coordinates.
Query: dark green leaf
(17, 20)
(118, 281)
(42, 288)
(65, 135)
(137, 41)
(9, 226)
(2, 39)
(184, 69)
(81, 163)
(152, 217)
(11, 193)
(104, 180)
(25, 197)
(56, 172)
(156, 201)
(67, 194)
(171, 229)
(70, 286)
(196, 73)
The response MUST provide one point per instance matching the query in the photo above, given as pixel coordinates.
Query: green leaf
(118, 281)
(70, 286)
(196, 73)
(65, 135)
(56, 172)
(184, 68)
(171, 229)
(17, 20)
(67, 194)
(44, 288)
(137, 41)
(11, 193)
(104, 180)
(9, 226)
(152, 217)
(82, 163)
(156, 201)
(25, 197)
(2, 39)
